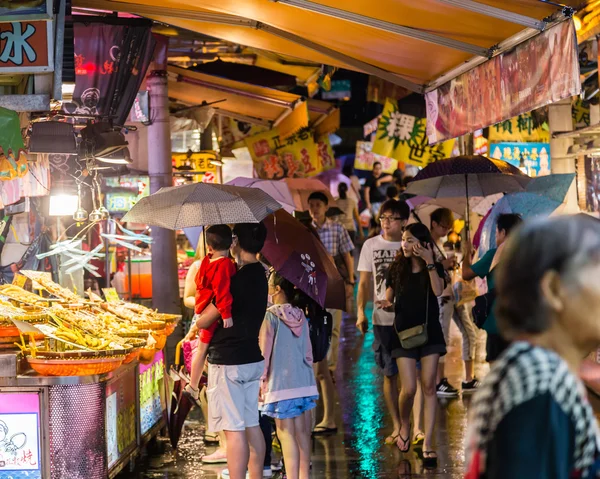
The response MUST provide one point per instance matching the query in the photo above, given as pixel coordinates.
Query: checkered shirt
(335, 238)
(522, 373)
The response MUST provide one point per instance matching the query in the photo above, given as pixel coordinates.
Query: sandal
(430, 459)
(419, 439)
(391, 439)
(405, 442)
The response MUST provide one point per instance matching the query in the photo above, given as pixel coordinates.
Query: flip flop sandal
(429, 460)
(391, 439)
(324, 431)
(419, 439)
(405, 442)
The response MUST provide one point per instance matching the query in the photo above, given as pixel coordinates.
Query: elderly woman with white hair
(531, 417)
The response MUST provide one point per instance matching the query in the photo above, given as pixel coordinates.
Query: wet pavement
(357, 451)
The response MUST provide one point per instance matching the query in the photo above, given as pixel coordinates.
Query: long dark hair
(294, 296)
(343, 190)
(401, 268)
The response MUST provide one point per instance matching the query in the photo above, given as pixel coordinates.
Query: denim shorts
(289, 408)
(385, 340)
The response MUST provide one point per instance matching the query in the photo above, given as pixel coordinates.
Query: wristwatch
(430, 267)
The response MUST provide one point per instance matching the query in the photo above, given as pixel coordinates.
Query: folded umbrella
(299, 256)
(202, 204)
(180, 403)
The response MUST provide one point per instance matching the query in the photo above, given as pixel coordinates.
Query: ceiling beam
(232, 20)
(385, 26)
(498, 13)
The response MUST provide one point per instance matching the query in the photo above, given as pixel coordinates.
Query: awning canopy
(252, 103)
(418, 45)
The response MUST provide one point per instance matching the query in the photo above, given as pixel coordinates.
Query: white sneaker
(266, 473)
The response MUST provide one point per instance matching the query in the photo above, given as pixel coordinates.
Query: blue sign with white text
(532, 158)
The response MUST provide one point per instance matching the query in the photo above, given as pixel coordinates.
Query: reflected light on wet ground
(358, 450)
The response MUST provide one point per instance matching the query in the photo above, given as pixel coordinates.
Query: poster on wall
(151, 384)
(365, 158)
(20, 449)
(532, 158)
(298, 156)
(540, 71)
(120, 426)
(403, 138)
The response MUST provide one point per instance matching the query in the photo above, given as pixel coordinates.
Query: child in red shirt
(212, 283)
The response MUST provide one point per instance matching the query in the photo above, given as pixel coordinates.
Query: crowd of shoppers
(539, 313)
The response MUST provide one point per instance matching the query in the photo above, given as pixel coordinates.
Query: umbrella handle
(468, 218)
(178, 353)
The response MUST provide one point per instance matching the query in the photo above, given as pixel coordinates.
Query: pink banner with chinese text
(543, 70)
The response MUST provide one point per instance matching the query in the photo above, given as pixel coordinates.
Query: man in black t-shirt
(375, 186)
(236, 362)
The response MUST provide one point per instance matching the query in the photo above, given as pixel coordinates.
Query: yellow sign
(520, 129)
(364, 158)
(111, 295)
(297, 156)
(404, 138)
(198, 162)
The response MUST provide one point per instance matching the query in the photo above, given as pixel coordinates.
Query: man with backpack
(376, 256)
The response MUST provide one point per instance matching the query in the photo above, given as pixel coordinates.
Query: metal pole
(107, 257)
(165, 281)
(129, 281)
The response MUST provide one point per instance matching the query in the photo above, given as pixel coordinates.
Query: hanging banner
(107, 82)
(532, 158)
(540, 71)
(519, 129)
(365, 158)
(403, 138)
(298, 156)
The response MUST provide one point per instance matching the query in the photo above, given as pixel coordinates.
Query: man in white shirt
(442, 222)
(376, 257)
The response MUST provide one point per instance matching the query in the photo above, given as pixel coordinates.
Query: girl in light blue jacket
(288, 386)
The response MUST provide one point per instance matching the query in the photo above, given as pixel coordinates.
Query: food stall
(82, 382)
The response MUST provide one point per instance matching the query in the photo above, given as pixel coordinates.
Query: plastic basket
(75, 367)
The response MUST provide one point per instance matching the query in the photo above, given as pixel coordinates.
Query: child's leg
(303, 428)
(286, 432)
(198, 361)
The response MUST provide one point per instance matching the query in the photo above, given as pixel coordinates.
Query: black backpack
(320, 324)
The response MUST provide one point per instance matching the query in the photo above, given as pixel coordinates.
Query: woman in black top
(414, 283)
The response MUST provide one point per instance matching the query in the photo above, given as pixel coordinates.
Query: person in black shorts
(414, 283)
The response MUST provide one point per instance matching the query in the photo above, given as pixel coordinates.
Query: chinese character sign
(540, 71)
(532, 158)
(403, 138)
(20, 435)
(297, 156)
(24, 47)
(365, 158)
(519, 129)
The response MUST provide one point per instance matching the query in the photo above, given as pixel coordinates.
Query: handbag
(483, 307)
(416, 336)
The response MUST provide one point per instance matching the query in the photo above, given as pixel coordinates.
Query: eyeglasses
(389, 219)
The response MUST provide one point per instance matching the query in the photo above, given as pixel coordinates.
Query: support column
(560, 119)
(165, 279)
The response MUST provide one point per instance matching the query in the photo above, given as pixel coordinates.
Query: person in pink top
(212, 284)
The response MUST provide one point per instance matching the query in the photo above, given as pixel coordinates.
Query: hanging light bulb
(80, 214)
(96, 216)
(104, 212)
